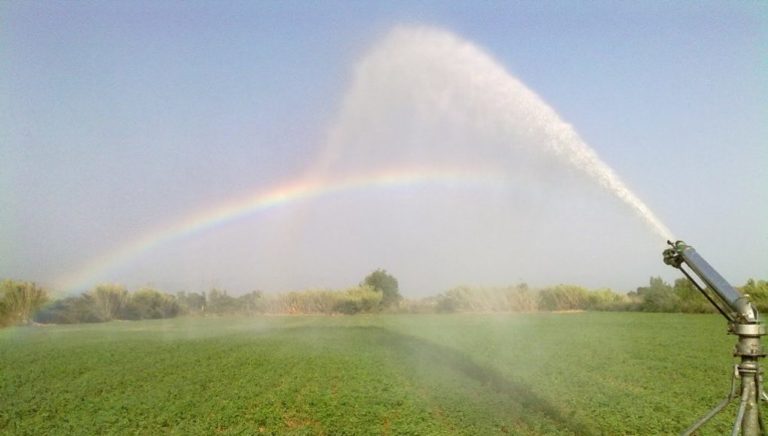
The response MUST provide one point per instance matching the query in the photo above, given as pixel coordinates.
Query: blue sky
(118, 117)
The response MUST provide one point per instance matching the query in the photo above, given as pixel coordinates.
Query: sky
(140, 141)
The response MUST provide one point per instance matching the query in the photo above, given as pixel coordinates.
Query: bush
(605, 299)
(521, 299)
(354, 300)
(360, 299)
(758, 293)
(149, 304)
(71, 310)
(383, 282)
(191, 302)
(690, 299)
(109, 300)
(220, 302)
(564, 297)
(507, 299)
(19, 301)
(658, 297)
(252, 302)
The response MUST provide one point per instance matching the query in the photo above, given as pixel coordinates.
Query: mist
(424, 98)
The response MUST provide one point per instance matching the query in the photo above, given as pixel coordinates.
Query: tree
(19, 301)
(251, 302)
(758, 293)
(564, 297)
(109, 300)
(383, 282)
(658, 297)
(148, 303)
(220, 302)
(71, 310)
(690, 298)
(191, 302)
(362, 299)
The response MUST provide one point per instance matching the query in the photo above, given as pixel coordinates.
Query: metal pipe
(682, 253)
(711, 277)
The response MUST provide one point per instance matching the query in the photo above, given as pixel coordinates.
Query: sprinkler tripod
(744, 322)
(749, 420)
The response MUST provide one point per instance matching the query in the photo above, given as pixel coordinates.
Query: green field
(574, 373)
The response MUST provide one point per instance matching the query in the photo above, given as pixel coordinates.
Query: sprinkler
(744, 322)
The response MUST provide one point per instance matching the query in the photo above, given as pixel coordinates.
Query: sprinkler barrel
(730, 302)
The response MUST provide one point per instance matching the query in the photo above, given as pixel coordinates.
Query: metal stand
(749, 419)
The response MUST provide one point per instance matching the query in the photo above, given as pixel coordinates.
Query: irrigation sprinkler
(744, 322)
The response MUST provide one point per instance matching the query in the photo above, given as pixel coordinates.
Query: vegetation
(544, 373)
(108, 302)
(386, 284)
(758, 293)
(21, 302)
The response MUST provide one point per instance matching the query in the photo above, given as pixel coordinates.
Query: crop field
(569, 373)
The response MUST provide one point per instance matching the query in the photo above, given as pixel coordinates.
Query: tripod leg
(758, 394)
(720, 406)
(742, 409)
(696, 425)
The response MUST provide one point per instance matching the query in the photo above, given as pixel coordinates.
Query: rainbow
(303, 189)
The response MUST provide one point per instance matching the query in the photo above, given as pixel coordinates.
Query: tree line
(658, 296)
(25, 302)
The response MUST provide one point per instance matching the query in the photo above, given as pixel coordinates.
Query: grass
(582, 373)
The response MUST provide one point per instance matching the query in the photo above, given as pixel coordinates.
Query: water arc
(434, 76)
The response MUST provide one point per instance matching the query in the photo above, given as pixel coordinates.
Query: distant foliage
(689, 299)
(149, 303)
(354, 300)
(468, 299)
(658, 296)
(192, 302)
(109, 300)
(22, 302)
(607, 300)
(71, 310)
(758, 293)
(386, 284)
(564, 297)
(220, 302)
(362, 299)
(252, 302)
(19, 301)
(521, 298)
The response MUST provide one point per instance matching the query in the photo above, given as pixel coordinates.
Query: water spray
(744, 322)
(440, 79)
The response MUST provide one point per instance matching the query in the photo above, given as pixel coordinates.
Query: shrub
(192, 302)
(220, 302)
(564, 297)
(758, 293)
(149, 304)
(383, 282)
(360, 299)
(658, 297)
(109, 300)
(19, 301)
(71, 310)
